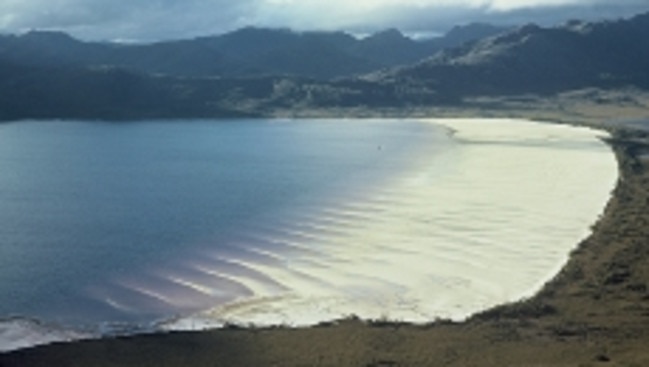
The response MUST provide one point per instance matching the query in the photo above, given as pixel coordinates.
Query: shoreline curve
(595, 310)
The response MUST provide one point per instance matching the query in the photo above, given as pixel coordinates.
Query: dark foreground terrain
(595, 312)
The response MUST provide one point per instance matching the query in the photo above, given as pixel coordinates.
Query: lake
(184, 224)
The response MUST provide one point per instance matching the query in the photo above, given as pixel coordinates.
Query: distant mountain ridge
(245, 52)
(531, 59)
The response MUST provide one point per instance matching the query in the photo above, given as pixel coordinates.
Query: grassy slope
(586, 106)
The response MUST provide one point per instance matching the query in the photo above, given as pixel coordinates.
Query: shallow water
(289, 222)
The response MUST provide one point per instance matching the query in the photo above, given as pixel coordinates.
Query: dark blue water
(85, 203)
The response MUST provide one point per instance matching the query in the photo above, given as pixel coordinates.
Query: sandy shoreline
(595, 311)
(473, 230)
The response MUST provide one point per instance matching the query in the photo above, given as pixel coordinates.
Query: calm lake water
(84, 202)
(273, 221)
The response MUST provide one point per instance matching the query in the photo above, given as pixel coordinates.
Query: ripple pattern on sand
(486, 222)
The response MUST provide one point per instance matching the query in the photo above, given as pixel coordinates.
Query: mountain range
(245, 52)
(531, 59)
(252, 72)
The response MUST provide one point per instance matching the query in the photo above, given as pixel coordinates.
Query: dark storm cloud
(137, 19)
(439, 19)
(165, 19)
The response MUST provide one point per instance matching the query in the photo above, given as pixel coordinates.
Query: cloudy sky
(147, 20)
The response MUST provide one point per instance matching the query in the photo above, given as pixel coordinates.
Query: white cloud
(507, 5)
